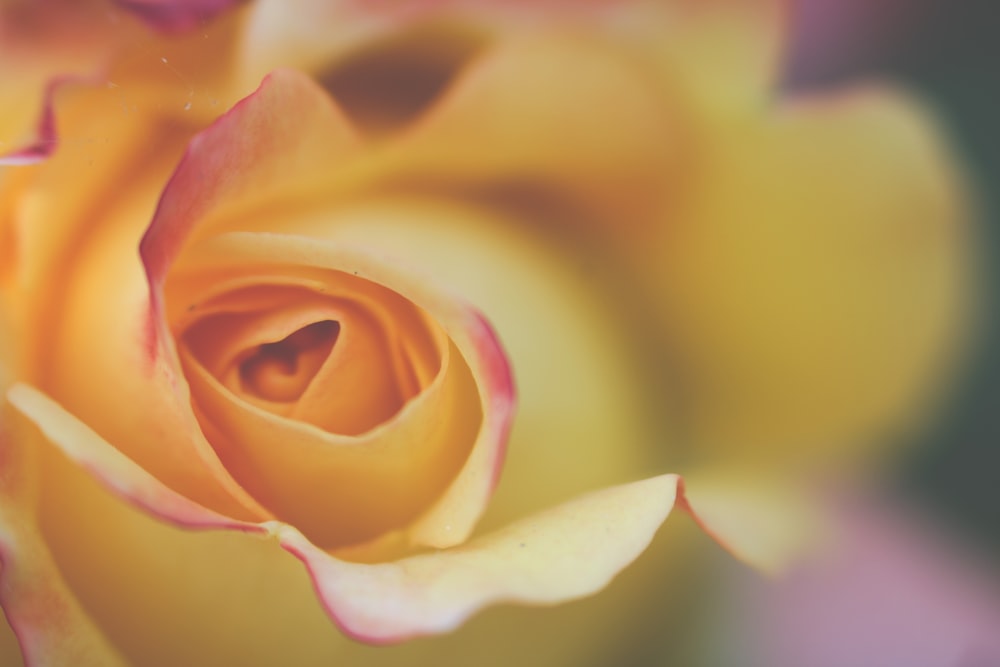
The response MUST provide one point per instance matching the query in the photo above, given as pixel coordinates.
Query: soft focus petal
(723, 55)
(491, 134)
(727, 47)
(816, 279)
(766, 523)
(49, 623)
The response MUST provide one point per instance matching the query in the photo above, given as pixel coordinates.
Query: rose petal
(49, 624)
(178, 578)
(561, 554)
(766, 522)
(725, 47)
(854, 196)
(45, 133)
(258, 152)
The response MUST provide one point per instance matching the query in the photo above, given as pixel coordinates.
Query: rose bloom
(275, 276)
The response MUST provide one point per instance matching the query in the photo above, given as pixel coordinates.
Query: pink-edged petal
(173, 16)
(112, 468)
(281, 138)
(47, 620)
(763, 521)
(50, 626)
(45, 133)
(564, 553)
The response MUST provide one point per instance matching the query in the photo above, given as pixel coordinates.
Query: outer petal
(50, 625)
(766, 522)
(564, 553)
(40, 43)
(816, 279)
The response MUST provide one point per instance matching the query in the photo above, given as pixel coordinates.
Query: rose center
(281, 371)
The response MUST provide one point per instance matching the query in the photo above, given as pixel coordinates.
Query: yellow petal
(49, 623)
(816, 279)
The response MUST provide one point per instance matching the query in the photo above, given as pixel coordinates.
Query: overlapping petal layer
(421, 594)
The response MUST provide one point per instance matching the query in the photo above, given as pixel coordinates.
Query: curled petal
(567, 552)
(258, 148)
(454, 514)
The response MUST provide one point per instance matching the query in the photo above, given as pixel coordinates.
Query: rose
(455, 210)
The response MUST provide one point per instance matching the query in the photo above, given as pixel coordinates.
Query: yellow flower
(292, 311)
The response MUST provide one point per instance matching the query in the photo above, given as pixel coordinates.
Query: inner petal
(343, 360)
(281, 371)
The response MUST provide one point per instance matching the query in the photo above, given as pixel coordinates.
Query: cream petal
(557, 555)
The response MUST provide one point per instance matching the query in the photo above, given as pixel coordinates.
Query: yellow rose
(269, 311)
